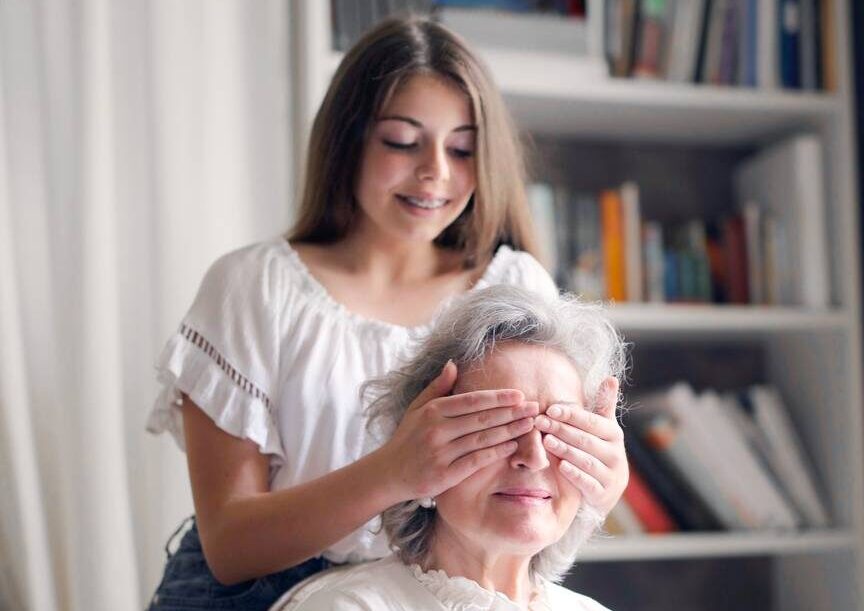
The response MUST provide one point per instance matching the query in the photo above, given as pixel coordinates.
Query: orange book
(612, 222)
(650, 511)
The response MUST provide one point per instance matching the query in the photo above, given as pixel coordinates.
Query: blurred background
(692, 162)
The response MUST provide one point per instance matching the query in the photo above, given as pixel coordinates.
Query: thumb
(608, 399)
(439, 387)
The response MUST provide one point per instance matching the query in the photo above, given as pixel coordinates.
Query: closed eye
(402, 146)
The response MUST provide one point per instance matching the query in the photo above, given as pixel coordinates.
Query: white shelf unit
(813, 357)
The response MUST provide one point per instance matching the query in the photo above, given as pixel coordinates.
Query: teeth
(429, 204)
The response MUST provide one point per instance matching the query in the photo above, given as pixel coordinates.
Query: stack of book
(715, 461)
(770, 249)
(753, 43)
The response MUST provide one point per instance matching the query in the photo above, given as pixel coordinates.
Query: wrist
(388, 485)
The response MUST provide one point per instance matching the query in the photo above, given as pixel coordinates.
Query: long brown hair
(383, 59)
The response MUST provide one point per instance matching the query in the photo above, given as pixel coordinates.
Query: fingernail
(444, 368)
(567, 467)
(555, 411)
(552, 442)
(543, 422)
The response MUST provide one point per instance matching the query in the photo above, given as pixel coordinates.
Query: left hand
(590, 446)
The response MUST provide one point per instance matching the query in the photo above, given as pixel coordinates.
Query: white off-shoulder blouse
(270, 356)
(389, 585)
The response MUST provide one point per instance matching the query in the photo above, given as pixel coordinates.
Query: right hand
(445, 438)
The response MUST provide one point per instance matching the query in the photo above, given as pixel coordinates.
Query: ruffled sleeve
(225, 354)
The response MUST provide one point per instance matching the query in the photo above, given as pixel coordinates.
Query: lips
(425, 202)
(539, 494)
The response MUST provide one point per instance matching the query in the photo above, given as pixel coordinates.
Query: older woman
(500, 538)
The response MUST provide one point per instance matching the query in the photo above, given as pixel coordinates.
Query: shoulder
(259, 265)
(561, 598)
(520, 268)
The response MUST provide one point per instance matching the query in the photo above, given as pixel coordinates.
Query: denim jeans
(187, 583)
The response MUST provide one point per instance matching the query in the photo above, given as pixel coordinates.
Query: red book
(735, 249)
(645, 505)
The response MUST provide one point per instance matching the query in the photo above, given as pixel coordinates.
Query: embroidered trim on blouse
(238, 378)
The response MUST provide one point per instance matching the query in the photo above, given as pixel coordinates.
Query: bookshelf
(813, 356)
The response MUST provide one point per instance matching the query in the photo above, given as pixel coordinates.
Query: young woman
(413, 195)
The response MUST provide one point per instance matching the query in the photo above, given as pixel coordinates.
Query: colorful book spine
(632, 240)
(790, 41)
(651, 513)
(650, 39)
(613, 245)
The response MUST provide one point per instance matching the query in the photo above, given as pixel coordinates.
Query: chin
(526, 538)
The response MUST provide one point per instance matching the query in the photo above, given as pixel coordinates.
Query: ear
(608, 397)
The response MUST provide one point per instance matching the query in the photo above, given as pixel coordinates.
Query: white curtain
(139, 140)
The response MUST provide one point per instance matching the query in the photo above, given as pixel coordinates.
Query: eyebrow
(416, 123)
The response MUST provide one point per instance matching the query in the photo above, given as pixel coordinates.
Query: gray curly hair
(466, 333)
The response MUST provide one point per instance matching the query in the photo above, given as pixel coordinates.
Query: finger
(489, 418)
(439, 387)
(473, 462)
(605, 451)
(487, 438)
(608, 399)
(582, 460)
(596, 424)
(591, 489)
(478, 400)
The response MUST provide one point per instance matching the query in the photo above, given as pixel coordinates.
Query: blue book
(790, 43)
(670, 276)
(748, 20)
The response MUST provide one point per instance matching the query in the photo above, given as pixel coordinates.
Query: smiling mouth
(425, 204)
(530, 496)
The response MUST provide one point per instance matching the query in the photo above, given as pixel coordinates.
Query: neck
(390, 261)
(499, 572)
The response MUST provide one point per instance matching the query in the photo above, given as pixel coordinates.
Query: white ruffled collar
(463, 594)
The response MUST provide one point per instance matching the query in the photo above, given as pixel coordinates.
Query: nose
(530, 453)
(434, 165)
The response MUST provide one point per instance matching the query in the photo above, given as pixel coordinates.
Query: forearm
(265, 533)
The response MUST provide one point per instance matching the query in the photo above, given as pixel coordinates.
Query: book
(750, 485)
(697, 250)
(706, 447)
(828, 45)
(786, 179)
(612, 226)
(751, 214)
(735, 251)
(650, 37)
(683, 40)
(786, 455)
(747, 43)
(727, 70)
(648, 509)
(632, 240)
(652, 246)
(541, 198)
(713, 42)
(681, 453)
(685, 507)
(767, 45)
(808, 50)
(621, 20)
(586, 273)
(790, 41)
